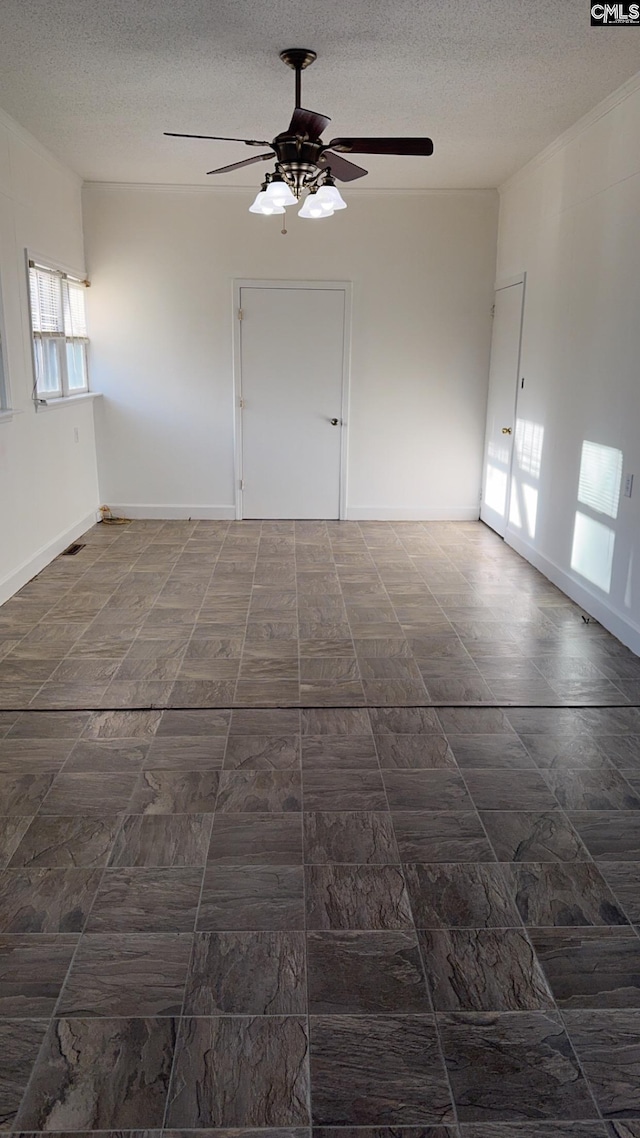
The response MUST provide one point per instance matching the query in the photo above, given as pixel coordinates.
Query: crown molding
(168, 187)
(39, 148)
(593, 116)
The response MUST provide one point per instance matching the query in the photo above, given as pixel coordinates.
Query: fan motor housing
(290, 148)
(297, 158)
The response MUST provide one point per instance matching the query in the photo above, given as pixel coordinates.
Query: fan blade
(341, 169)
(217, 138)
(423, 146)
(239, 165)
(309, 123)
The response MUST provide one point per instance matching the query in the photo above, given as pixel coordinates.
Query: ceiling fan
(304, 161)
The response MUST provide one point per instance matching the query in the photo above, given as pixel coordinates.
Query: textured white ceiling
(491, 81)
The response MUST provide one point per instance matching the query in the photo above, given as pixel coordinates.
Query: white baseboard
(403, 514)
(19, 577)
(354, 513)
(619, 624)
(174, 513)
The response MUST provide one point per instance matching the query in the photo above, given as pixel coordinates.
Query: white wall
(571, 219)
(48, 482)
(162, 263)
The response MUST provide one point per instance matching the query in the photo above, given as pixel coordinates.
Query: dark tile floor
(381, 922)
(276, 897)
(223, 614)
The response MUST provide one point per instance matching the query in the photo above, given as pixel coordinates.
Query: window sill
(67, 401)
(7, 415)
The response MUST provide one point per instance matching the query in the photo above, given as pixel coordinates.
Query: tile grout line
(324, 706)
(194, 933)
(137, 635)
(436, 706)
(421, 957)
(306, 938)
(246, 623)
(351, 623)
(200, 608)
(578, 1060)
(96, 615)
(457, 635)
(471, 798)
(351, 636)
(52, 1017)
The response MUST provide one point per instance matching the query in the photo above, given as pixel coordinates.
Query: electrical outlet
(628, 486)
(76, 434)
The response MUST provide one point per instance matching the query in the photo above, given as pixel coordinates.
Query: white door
(291, 388)
(501, 405)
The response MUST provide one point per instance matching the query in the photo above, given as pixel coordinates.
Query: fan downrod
(298, 58)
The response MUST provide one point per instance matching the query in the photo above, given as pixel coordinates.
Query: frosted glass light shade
(313, 208)
(330, 197)
(279, 193)
(256, 207)
(264, 206)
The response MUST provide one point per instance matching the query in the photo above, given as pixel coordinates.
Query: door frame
(345, 287)
(500, 284)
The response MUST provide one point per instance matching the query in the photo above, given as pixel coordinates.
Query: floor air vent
(72, 549)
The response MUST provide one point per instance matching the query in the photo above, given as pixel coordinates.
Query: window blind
(75, 321)
(46, 302)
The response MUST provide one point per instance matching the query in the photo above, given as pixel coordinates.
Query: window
(59, 329)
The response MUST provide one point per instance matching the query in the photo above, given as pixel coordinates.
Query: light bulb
(279, 192)
(330, 197)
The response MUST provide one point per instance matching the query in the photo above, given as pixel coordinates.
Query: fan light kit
(304, 161)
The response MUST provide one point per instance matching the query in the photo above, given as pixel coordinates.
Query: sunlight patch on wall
(498, 453)
(515, 516)
(592, 552)
(496, 480)
(600, 478)
(523, 506)
(529, 442)
(495, 489)
(525, 496)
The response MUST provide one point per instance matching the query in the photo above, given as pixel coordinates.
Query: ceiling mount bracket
(298, 58)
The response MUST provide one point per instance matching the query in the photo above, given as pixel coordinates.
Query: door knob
(506, 430)
(334, 422)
